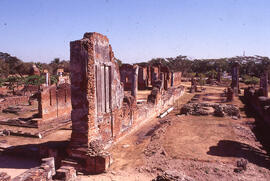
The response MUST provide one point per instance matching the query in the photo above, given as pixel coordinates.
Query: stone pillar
(230, 94)
(162, 79)
(219, 76)
(134, 88)
(172, 79)
(264, 83)
(235, 78)
(48, 79)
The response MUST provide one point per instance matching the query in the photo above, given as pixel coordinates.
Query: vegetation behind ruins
(15, 71)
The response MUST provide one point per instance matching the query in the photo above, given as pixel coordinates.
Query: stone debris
(203, 109)
(241, 165)
(173, 175)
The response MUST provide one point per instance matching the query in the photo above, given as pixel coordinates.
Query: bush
(250, 80)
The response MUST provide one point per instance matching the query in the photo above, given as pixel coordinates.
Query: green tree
(13, 82)
(35, 80)
(54, 79)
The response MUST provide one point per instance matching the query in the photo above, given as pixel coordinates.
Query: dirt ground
(198, 147)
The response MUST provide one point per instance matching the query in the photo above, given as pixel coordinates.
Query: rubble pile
(220, 110)
(172, 175)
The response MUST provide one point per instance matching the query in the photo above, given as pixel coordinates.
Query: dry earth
(200, 147)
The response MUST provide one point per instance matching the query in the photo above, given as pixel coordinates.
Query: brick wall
(45, 172)
(101, 113)
(54, 102)
(143, 77)
(126, 73)
(12, 101)
(176, 78)
(256, 100)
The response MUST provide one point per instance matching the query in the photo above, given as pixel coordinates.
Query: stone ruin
(54, 105)
(234, 89)
(215, 109)
(54, 110)
(149, 76)
(46, 171)
(257, 99)
(235, 78)
(102, 112)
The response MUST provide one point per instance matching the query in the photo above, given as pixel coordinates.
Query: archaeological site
(96, 118)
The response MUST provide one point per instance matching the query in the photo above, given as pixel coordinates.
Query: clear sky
(138, 30)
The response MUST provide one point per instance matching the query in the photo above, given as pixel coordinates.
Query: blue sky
(138, 30)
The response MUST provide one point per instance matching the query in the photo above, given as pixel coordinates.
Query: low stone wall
(12, 101)
(142, 113)
(259, 103)
(45, 172)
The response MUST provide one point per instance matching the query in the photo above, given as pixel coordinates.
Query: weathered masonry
(54, 105)
(235, 78)
(101, 111)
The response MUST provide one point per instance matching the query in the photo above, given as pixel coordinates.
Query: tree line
(251, 67)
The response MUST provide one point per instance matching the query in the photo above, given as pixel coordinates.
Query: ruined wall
(97, 94)
(143, 77)
(166, 73)
(126, 75)
(45, 172)
(176, 78)
(256, 100)
(13, 101)
(102, 112)
(155, 73)
(54, 102)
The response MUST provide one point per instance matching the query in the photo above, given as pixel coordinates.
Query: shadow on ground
(259, 128)
(17, 162)
(30, 155)
(228, 148)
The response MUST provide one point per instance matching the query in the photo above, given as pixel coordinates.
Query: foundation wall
(13, 101)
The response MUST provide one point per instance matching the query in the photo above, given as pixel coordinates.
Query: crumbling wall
(143, 77)
(101, 112)
(155, 73)
(97, 98)
(126, 74)
(176, 78)
(45, 172)
(54, 102)
(12, 101)
(256, 100)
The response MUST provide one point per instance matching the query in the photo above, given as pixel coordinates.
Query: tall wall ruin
(101, 111)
